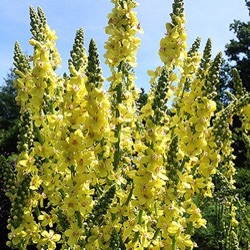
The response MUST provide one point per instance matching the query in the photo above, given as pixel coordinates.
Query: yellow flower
(152, 159)
(195, 216)
(246, 120)
(35, 182)
(145, 237)
(128, 227)
(44, 150)
(143, 190)
(40, 120)
(34, 232)
(16, 235)
(84, 159)
(73, 233)
(27, 163)
(163, 223)
(184, 242)
(200, 122)
(85, 204)
(206, 169)
(174, 228)
(46, 219)
(92, 244)
(50, 180)
(70, 205)
(103, 168)
(170, 195)
(117, 177)
(91, 137)
(75, 141)
(49, 239)
(154, 74)
(172, 211)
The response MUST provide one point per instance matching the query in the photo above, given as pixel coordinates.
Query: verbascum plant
(173, 45)
(226, 170)
(121, 50)
(93, 171)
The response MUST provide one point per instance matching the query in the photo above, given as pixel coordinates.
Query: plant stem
(129, 196)
(79, 219)
(139, 223)
(156, 233)
(174, 243)
(118, 127)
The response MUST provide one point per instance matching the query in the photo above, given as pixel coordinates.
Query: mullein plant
(229, 202)
(94, 172)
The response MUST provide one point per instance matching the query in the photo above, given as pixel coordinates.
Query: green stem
(140, 217)
(62, 193)
(197, 199)
(174, 247)
(185, 159)
(139, 223)
(39, 136)
(158, 229)
(79, 219)
(189, 228)
(156, 233)
(156, 210)
(129, 196)
(117, 147)
(98, 189)
(118, 128)
(37, 211)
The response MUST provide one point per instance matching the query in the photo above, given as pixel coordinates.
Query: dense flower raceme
(93, 171)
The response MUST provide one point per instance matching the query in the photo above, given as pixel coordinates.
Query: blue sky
(206, 19)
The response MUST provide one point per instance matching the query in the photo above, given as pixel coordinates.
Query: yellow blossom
(50, 239)
(73, 233)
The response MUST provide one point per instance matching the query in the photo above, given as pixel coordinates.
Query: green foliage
(235, 76)
(142, 100)
(9, 114)
(243, 183)
(7, 167)
(237, 49)
(209, 238)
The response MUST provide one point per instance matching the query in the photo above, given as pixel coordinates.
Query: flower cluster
(173, 45)
(123, 26)
(93, 172)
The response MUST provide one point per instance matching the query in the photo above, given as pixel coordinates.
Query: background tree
(9, 114)
(238, 49)
(238, 57)
(225, 85)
